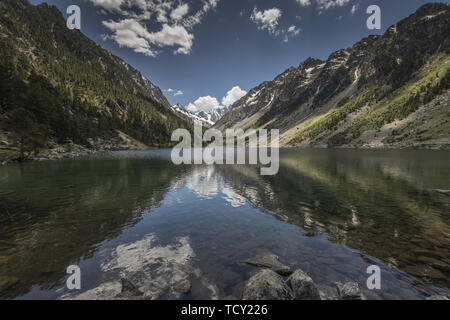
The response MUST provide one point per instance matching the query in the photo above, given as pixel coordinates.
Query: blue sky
(204, 48)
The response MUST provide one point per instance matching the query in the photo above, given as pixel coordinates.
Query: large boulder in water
(303, 287)
(349, 291)
(266, 285)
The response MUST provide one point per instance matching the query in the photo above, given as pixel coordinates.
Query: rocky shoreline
(59, 152)
(274, 281)
(269, 284)
(72, 150)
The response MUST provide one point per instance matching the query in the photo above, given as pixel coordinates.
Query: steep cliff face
(264, 102)
(71, 88)
(330, 95)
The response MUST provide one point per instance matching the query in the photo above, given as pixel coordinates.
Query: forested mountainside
(385, 91)
(57, 86)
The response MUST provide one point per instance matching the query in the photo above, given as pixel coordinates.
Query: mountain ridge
(298, 97)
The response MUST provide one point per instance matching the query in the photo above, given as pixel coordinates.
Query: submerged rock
(153, 267)
(349, 291)
(272, 262)
(328, 293)
(266, 285)
(303, 287)
(182, 287)
(129, 290)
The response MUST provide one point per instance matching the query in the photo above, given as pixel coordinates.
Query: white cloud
(293, 30)
(179, 12)
(110, 5)
(205, 104)
(192, 108)
(232, 96)
(173, 36)
(208, 103)
(304, 3)
(323, 4)
(195, 19)
(170, 20)
(174, 92)
(132, 34)
(327, 4)
(267, 20)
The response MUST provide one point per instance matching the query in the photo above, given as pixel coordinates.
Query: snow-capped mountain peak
(185, 114)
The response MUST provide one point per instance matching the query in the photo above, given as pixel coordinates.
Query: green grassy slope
(371, 109)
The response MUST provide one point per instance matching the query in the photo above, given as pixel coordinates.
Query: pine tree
(23, 125)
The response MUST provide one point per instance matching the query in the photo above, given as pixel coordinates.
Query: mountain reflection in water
(135, 215)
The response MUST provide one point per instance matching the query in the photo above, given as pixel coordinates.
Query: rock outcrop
(272, 262)
(303, 287)
(266, 285)
(349, 291)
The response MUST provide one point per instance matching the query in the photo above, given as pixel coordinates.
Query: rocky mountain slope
(70, 89)
(385, 91)
(213, 116)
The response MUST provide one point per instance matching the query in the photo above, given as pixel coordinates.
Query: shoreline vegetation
(54, 151)
(71, 150)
